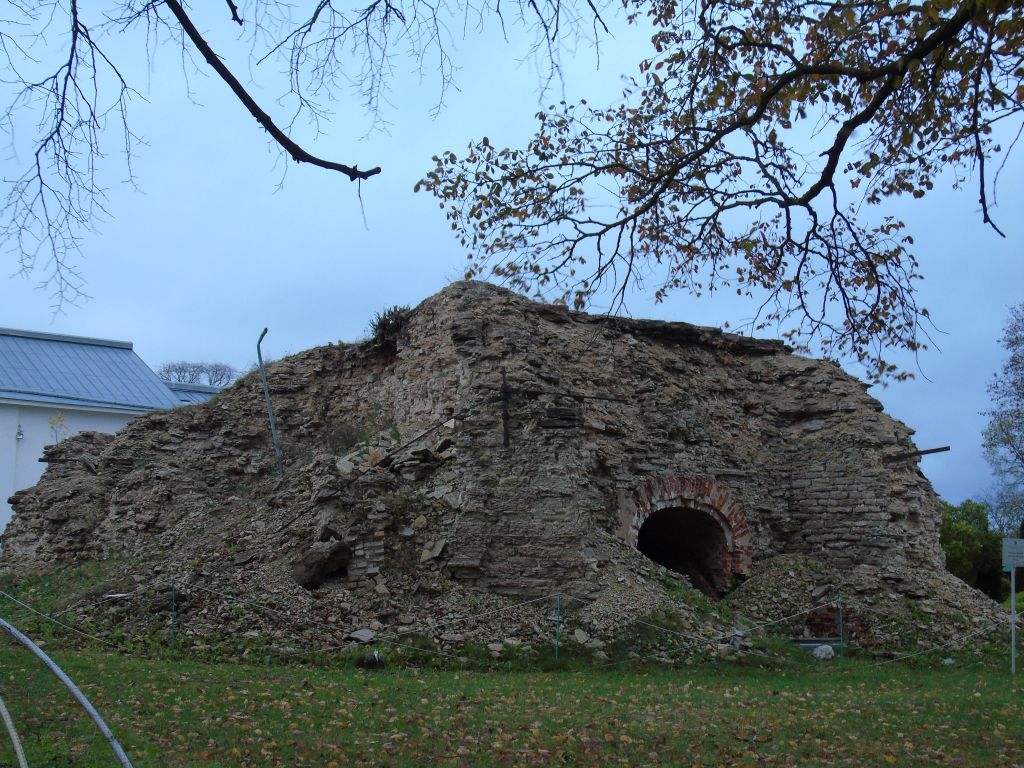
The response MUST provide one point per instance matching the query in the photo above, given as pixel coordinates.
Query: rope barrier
(385, 638)
(955, 640)
(398, 633)
(316, 622)
(55, 621)
(108, 598)
(393, 637)
(757, 627)
(355, 643)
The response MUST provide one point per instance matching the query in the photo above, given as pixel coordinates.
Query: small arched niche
(689, 542)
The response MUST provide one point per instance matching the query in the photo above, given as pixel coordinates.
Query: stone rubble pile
(443, 485)
(882, 608)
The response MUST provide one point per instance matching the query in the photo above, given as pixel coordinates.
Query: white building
(53, 386)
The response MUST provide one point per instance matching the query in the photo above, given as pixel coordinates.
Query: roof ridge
(62, 337)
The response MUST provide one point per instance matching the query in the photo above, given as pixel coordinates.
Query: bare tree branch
(74, 99)
(234, 13)
(297, 153)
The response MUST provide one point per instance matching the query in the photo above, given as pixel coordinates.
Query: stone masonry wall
(598, 406)
(501, 443)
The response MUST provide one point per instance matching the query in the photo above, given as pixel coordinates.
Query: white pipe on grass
(13, 732)
(79, 696)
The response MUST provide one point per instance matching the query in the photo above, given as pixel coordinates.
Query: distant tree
(973, 551)
(1004, 434)
(211, 374)
(1006, 510)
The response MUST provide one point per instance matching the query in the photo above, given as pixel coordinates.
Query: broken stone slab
(321, 561)
(433, 550)
(820, 591)
(421, 454)
(725, 650)
(364, 635)
(330, 528)
(440, 491)
(378, 458)
(244, 558)
(580, 636)
(740, 641)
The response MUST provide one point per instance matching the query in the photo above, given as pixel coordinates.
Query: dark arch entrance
(695, 526)
(689, 542)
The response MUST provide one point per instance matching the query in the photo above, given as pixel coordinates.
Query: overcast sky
(210, 248)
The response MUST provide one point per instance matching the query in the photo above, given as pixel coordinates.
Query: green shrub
(973, 552)
(386, 325)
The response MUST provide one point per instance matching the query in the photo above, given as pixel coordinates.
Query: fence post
(842, 631)
(558, 622)
(270, 406)
(174, 600)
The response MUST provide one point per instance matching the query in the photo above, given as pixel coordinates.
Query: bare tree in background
(211, 374)
(61, 75)
(1004, 434)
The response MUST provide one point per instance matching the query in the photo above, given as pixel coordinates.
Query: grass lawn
(191, 713)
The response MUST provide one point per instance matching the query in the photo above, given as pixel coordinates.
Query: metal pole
(1013, 620)
(842, 633)
(558, 623)
(270, 407)
(79, 696)
(13, 733)
(174, 599)
(505, 394)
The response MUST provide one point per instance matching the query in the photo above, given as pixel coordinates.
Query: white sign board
(1013, 553)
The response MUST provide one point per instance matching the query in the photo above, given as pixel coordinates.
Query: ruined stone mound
(486, 451)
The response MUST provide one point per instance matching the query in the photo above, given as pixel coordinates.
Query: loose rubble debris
(481, 479)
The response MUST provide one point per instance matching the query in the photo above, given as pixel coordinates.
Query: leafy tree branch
(756, 154)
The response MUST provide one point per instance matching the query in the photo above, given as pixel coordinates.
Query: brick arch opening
(689, 542)
(694, 527)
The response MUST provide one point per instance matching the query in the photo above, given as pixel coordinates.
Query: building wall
(20, 466)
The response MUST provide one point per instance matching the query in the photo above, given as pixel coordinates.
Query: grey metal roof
(190, 394)
(75, 371)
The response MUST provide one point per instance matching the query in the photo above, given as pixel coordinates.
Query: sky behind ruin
(209, 248)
